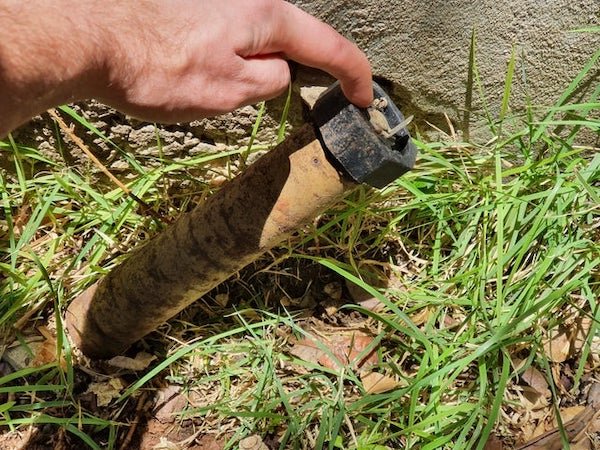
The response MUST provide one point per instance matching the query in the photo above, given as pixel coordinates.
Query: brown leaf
(376, 278)
(558, 345)
(376, 383)
(594, 403)
(34, 351)
(333, 290)
(575, 430)
(535, 392)
(583, 444)
(421, 317)
(169, 403)
(593, 398)
(594, 425)
(106, 391)
(494, 443)
(541, 428)
(343, 349)
(583, 325)
(364, 298)
(44, 353)
(568, 414)
(307, 350)
(533, 400)
(253, 442)
(536, 380)
(372, 304)
(451, 322)
(20, 356)
(141, 361)
(222, 299)
(22, 216)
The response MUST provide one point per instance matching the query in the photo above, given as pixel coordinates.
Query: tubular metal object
(279, 193)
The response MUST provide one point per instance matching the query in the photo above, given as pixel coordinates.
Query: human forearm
(49, 54)
(159, 60)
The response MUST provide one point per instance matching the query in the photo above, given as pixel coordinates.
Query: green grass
(499, 241)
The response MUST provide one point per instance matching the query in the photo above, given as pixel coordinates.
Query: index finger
(309, 41)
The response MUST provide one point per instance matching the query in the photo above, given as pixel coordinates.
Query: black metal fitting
(366, 153)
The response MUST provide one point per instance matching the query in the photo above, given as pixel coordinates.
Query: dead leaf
(494, 443)
(34, 351)
(568, 414)
(536, 380)
(575, 430)
(19, 439)
(106, 391)
(533, 400)
(222, 300)
(528, 429)
(46, 352)
(347, 349)
(558, 345)
(534, 392)
(593, 401)
(451, 322)
(541, 428)
(421, 317)
(364, 298)
(22, 216)
(344, 348)
(306, 350)
(165, 444)
(169, 403)
(583, 444)
(594, 425)
(357, 293)
(376, 383)
(253, 442)
(333, 290)
(583, 325)
(372, 304)
(141, 361)
(593, 398)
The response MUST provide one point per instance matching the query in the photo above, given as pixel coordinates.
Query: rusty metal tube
(282, 191)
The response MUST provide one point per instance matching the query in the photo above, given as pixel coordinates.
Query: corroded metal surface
(256, 211)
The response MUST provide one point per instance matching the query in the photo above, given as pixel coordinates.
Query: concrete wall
(423, 48)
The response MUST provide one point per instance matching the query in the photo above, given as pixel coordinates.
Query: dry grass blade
(77, 141)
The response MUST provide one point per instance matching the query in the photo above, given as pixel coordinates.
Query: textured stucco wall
(423, 47)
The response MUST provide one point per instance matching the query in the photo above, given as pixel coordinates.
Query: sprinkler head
(371, 145)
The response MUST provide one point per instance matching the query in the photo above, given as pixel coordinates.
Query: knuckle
(233, 100)
(265, 7)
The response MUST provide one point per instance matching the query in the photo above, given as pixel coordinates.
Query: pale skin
(163, 60)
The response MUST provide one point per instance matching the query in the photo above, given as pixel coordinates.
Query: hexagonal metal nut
(360, 150)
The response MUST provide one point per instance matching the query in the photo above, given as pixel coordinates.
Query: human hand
(184, 59)
(164, 61)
